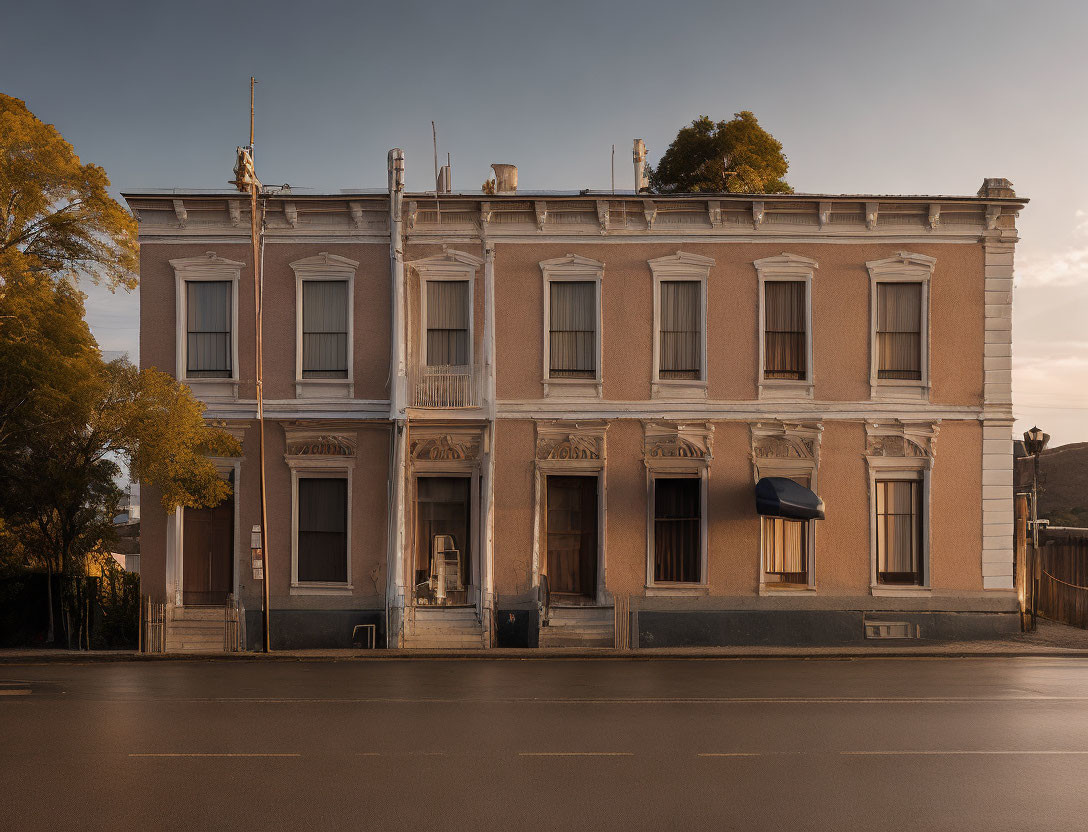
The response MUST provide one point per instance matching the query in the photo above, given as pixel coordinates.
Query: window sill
(678, 389)
(212, 388)
(785, 389)
(901, 591)
(677, 589)
(324, 388)
(894, 390)
(785, 589)
(321, 589)
(573, 388)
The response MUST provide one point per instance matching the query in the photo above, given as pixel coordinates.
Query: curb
(535, 654)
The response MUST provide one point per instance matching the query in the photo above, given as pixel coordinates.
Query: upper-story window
(899, 330)
(208, 314)
(324, 329)
(448, 323)
(572, 326)
(680, 282)
(324, 306)
(206, 344)
(785, 326)
(572, 330)
(899, 326)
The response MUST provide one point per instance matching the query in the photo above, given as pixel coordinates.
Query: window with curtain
(325, 329)
(447, 323)
(899, 330)
(784, 349)
(677, 511)
(208, 320)
(572, 329)
(679, 351)
(785, 547)
(323, 529)
(899, 531)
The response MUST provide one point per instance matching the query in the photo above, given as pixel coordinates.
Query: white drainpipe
(489, 381)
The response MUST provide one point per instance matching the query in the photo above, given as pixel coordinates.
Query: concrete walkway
(1050, 639)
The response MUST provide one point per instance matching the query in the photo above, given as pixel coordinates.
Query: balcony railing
(446, 386)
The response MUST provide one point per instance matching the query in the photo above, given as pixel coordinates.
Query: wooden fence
(1062, 581)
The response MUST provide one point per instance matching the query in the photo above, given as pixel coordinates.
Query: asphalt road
(956, 744)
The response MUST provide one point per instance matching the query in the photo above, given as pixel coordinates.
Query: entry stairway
(195, 630)
(444, 628)
(579, 627)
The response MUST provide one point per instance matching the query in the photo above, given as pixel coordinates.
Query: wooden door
(572, 536)
(208, 560)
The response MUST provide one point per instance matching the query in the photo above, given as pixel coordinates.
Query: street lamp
(1034, 443)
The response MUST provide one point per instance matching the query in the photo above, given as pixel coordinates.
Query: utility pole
(245, 179)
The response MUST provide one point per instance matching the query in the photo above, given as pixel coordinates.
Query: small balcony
(446, 386)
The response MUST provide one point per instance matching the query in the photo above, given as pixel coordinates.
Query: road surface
(956, 744)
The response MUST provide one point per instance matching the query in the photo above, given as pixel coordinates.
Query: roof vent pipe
(445, 184)
(639, 157)
(506, 178)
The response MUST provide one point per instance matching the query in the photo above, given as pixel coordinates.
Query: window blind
(899, 330)
(208, 321)
(899, 531)
(447, 323)
(322, 529)
(784, 349)
(572, 329)
(679, 349)
(324, 329)
(677, 511)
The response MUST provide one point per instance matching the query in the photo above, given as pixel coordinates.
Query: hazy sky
(905, 97)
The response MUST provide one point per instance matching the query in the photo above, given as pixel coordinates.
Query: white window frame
(209, 267)
(789, 268)
(789, 468)
(680, 267)
(319, 469)
(325, 266)
(572, 268)
(900, 468)
(905, 267)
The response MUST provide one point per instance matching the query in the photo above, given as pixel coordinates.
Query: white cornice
(903, 262)
(682, 262)
(325, 263)
(571, 262)
(449, 259)
(208, 262)
(786, 264)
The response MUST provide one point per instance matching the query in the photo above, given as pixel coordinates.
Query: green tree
(56, 214)
(735, 156)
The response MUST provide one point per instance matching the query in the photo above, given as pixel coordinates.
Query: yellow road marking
(214, 755)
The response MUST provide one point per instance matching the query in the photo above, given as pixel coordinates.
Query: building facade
(529, 419)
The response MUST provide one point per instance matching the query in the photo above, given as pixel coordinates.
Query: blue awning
(782, 497)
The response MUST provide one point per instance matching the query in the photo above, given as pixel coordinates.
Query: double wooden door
(208, 558)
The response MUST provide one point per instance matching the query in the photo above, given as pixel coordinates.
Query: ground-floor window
(785, 551)
(572, 535)
(322, 530)
(677, 529)
(443, 547)
(899, 547)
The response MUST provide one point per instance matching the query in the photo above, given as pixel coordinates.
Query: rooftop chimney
(445, 183)
(506, 178)
(639, 156)
(996, 188)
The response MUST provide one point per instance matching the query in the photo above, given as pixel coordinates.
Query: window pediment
(900, 439)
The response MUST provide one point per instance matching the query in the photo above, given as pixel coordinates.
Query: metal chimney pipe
(638, 155)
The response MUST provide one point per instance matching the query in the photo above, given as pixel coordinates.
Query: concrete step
(196, 614)
(579, 627)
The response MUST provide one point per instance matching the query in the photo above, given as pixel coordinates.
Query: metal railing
(231, 630)
(152, 625)
(446, 385)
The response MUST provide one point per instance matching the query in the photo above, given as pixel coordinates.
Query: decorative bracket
(234, 206)
(413, 214)
(993, 212)
(825, 215)
(541, 209)
(180, 212)
(485, 214)
(934, 216)
(758, 213)
(872, 211)
(356, 214)
(602, 214)
(290, 212)
(714, 213)
(650, 210)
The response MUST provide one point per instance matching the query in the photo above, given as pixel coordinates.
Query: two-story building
(593, 419)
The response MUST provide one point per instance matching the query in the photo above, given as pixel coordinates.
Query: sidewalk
(1050, 640)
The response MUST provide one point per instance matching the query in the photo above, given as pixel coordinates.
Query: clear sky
(903, 97)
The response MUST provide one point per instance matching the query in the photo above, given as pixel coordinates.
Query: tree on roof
(736, 156)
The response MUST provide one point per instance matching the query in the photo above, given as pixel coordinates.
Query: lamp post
(1034, 443)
